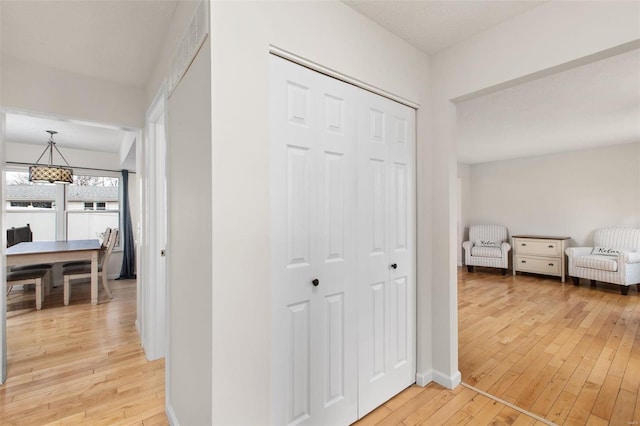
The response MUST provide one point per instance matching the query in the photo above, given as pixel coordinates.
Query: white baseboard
(171, 415)
(449, 382)
(424, 378)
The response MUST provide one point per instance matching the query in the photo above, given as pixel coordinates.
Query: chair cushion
(27, 274)
(602, 263)
(79, 269)
(36, 266)
(486, 251)
(78, 263)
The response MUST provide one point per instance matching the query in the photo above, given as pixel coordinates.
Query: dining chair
(19, 235)
(25, 234)
(34, 277)
(81, 271)
(103, 248)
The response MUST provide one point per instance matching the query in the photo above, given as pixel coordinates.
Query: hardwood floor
(79, 364)
(570, 355)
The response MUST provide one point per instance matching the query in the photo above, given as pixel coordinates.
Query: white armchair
(487, 246)
(614, 258)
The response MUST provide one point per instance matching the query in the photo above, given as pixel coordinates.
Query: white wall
(464, 186)
(33, 87)
(189, 248)
(331, 34)
(569, 194)
(548, 38)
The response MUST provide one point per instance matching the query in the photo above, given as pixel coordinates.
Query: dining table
(34, 252)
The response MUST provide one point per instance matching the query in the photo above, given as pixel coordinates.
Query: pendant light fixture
(50, 173)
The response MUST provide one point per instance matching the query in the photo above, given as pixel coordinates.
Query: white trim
(448, 382)
(171, 415)
(424, 378)
(274, 50)
(3, 258)
(187, 50)
(153, 298)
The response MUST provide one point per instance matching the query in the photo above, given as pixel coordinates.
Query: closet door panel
(314, 314)
(334, 240)
(342, 191)
(386, 251)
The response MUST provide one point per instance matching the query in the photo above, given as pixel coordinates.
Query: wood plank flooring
(79, 364)
(570, 355)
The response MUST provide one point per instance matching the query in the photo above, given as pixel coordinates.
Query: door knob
(394, 265)
(315, 282)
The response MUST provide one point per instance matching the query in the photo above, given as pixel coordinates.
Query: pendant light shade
(50, 173)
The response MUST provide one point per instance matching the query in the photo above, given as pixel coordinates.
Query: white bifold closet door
(343, 339)
(386, 250)
(313, 197)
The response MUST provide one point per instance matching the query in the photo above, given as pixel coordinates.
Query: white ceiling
(593, 105)
(119, 40)
(31, 130)
(589, 106)
(437, 24)
(114, 40)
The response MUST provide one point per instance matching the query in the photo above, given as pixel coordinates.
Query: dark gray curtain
(128, 270)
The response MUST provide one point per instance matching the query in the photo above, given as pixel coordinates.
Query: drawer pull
(551, 264)
(523, 261)
(523, 244)
(550, 246)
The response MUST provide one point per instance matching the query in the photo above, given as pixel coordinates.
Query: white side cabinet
(540, 254)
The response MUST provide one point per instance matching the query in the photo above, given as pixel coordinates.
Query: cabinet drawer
(537, 247)
(538, 265)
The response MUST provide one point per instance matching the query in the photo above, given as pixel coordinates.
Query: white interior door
(343, 247)
(154, 277)
(313, 235)
(386, 250)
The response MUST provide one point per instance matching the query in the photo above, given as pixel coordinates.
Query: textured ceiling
(435, 25)
(592, 105)
(114, 40)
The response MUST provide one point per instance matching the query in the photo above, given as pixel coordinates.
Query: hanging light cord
(50, 146)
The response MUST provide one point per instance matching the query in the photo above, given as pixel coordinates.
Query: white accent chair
(614, 258)
(487, 246)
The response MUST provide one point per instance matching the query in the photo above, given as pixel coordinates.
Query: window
(81, 210)
(19, 203)
(42, 204)
(33, 204)
(93, 204)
